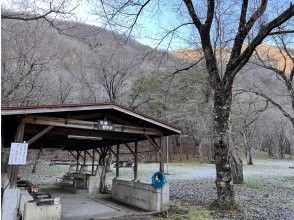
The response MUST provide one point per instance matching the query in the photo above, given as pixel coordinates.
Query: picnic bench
(61, 162)
(125, 163)
(77, 178)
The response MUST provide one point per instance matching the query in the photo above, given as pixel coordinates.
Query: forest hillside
(80, 63)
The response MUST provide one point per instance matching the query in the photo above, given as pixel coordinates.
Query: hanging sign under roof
(18, 154)
(104, 125)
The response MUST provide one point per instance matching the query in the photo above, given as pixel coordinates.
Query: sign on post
(18, 154)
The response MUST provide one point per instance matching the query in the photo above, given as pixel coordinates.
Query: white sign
(18, 153)
(104, 125)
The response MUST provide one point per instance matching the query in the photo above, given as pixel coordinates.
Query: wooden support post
(136, 162)
(93, 160)
(14, 168)
(117, 161)
(130, 149)
(161, 162)
(159, 149)
(40, 134)
(85, 157)
(78, 158)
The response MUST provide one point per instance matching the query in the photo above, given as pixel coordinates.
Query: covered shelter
(88, 131)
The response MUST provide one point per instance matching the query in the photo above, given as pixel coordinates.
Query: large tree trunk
(224, 181)
(236, 166)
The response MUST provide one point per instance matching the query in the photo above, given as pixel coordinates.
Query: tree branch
(193, 14)
(282, 32)
(210, 14)
(245, 27)
(268, 99)
(235, 64)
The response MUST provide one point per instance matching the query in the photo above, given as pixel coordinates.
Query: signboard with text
(18, 154)
(104, 125)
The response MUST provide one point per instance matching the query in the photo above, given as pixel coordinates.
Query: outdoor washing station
(148, 196)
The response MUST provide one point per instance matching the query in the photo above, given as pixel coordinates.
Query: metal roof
(43, 109)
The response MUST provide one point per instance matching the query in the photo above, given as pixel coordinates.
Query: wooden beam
(119, 120)
(85, 157)
(159, 149)
(66, 144)
(130, 149)
(14, 168)
(94, 133)
(80, 155)
(89, 125)
(40, 134)
(112, 151)
(153, 143)
(98, 151)
(73, 154)
(87, 116)
(104, 150)
(89, 154)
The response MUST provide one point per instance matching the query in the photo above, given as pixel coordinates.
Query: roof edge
(22, 110)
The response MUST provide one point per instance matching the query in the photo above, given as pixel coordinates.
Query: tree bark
(249, 156)
(247, 149)
(236, 166)
(224, 181)
(108, 162)
(103, 180)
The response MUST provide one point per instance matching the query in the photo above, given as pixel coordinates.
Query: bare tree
(111, 74)
(221, 81)
(26, 55)
(283, 68)
(275, 140)
(64, 88)
(113, 78)
(32, 10)
(245, 113)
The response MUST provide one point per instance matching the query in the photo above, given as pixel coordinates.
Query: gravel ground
(268, 191)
